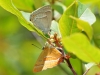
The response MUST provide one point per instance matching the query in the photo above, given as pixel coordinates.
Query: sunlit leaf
(26, 5)
(79, 45)
(88, 16)
(85, 26)
(67, 3)
(94, 70)
(89, 1)
(66, 24)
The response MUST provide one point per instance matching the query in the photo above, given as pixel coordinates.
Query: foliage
(78, 25)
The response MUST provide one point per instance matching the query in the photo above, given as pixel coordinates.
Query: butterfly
(49, 57)
(42, 18)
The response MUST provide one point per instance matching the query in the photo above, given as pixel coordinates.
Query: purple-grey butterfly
(42, 18)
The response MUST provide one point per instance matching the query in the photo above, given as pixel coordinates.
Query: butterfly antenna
(36, 46)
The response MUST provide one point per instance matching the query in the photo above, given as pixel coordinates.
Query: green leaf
(26, 5)
(67, 3)
(66, 24)
(96, 31)
(85, 26)
(88, 16)
(81, 8)
(58, 8)
(78, 68)
(55, 28)
(89, 1)
(85, 13)
(8, 5)
(79, 45)
(93, 70)
(38, 3)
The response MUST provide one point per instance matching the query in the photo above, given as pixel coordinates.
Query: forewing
(52, 59)
(42, 17)
(41, 60)
(48, 58)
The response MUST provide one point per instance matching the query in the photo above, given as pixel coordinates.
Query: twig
(53, 1)
(70, 66)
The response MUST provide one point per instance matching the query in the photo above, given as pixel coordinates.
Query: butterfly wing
(40, 61)
(52, 59)
(48, 58)
(42, 17)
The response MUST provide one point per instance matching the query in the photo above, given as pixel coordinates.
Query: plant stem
(52, 3)
(70, 66)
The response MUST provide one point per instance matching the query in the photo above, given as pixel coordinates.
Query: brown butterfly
(49, 57)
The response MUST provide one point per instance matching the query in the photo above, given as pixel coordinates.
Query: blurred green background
(18, 55)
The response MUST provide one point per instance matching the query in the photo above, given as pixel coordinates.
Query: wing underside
(42, 18)
(48, 58)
